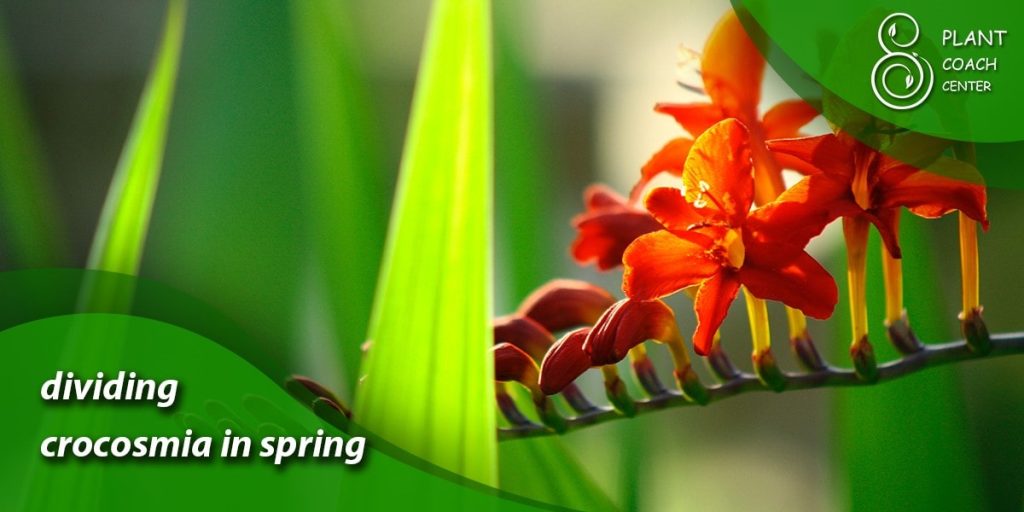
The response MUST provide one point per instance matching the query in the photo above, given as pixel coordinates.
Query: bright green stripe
(28, 221)
(429, 377)
(342, 168)
(121, 234)
(905, 445)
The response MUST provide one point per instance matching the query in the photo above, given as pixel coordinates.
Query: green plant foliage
(28, 213)
(121, 234)
(904, 445)
(228, 223)
(542, 468)
(342, 169)
(429, 378)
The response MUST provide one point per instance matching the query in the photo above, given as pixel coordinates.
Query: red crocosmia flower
(732, 68)
(847, 178)
(711, 239)
(607, 227)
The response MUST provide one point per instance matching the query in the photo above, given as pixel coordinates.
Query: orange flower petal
(603, 237)
(886, 220)
(931, 195)
(803, 210)
(718, 176)
(712, 304)
(670, 158)
(598, 196)
(661, 263)
(564, 362)
(814, 155)
(786, 118)
(695, 118)
(732, 68)
(670, 208)
(800, 283)
(565, 303)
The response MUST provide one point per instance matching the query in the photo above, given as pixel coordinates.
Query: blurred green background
(276, 191)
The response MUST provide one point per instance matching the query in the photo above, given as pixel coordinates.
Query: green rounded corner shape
(827, 51)
(214, 380)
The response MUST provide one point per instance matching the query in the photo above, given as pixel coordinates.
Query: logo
(901, 80)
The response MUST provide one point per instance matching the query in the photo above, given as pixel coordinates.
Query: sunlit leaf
(121, 233)
(428, 384)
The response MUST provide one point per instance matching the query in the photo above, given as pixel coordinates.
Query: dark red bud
(527, 335)
(512, 364)
(564, 362)
(565, 303)
(627, 324)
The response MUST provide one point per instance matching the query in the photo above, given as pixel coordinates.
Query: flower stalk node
(806, 353)
(547, 412)
(508, 408)
(864, 365)
(720, 363)
(643, 368)
(691, 386)
(768, 371)
(615, 389)
(577, 400)
(975, 331)
(902, 336)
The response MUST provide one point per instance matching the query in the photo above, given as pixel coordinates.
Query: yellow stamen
(892, 271)
(855, 230)
(969, 263)
(734, 249)
(757, 311)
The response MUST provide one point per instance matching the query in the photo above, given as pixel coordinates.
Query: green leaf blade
(121, 233)
(342, 159)
(428, 384)
(28, 213)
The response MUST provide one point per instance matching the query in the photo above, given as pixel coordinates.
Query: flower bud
(527, 335)
(512, 364)
(564, 362)
(627, 324)
(902, 337)
(565, 303)
(309, 390)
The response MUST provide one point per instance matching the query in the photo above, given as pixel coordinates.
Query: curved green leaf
(429, 377)
(121, 233)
